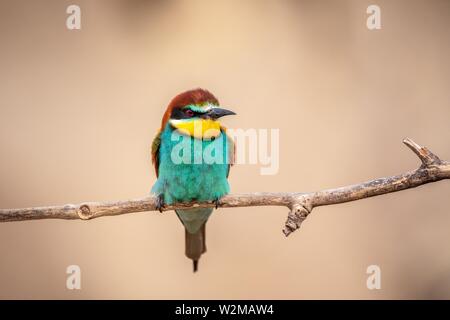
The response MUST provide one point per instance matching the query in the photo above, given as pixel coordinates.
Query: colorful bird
(192, 155)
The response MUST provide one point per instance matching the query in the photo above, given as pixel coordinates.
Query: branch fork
(300, 205)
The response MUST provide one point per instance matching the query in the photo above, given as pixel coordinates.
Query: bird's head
(195, 113)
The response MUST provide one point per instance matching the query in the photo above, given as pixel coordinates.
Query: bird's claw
(216, 202)
(160, 203)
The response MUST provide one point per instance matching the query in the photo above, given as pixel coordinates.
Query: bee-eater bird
(192, 155)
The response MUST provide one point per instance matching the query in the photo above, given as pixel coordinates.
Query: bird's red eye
(189, 112)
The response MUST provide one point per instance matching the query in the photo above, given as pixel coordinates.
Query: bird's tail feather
(194, 221)
(195, 245)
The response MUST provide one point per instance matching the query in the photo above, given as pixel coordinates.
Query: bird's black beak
(216, 113)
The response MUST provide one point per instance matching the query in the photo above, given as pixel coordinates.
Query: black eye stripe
(179, 113)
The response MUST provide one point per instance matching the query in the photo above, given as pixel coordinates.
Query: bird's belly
(189, 182)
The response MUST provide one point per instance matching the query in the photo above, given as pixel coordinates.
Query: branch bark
(432, 169)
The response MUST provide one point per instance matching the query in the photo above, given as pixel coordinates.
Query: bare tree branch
(300, 204)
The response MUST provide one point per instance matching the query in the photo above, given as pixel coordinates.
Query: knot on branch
(84, 212)
(300, 209)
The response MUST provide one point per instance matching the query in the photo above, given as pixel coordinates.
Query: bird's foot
(216, 202)
(160, 203)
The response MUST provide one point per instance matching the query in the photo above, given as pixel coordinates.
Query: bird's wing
(231, 150)
(155, 151)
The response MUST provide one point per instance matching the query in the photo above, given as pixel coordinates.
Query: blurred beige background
(78, 111)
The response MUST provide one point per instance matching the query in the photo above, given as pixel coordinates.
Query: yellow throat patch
(198, 128)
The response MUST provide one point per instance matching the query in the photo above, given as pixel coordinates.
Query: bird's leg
(160, 202)
(216, 202)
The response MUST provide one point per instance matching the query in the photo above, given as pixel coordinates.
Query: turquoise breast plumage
(200, 176)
